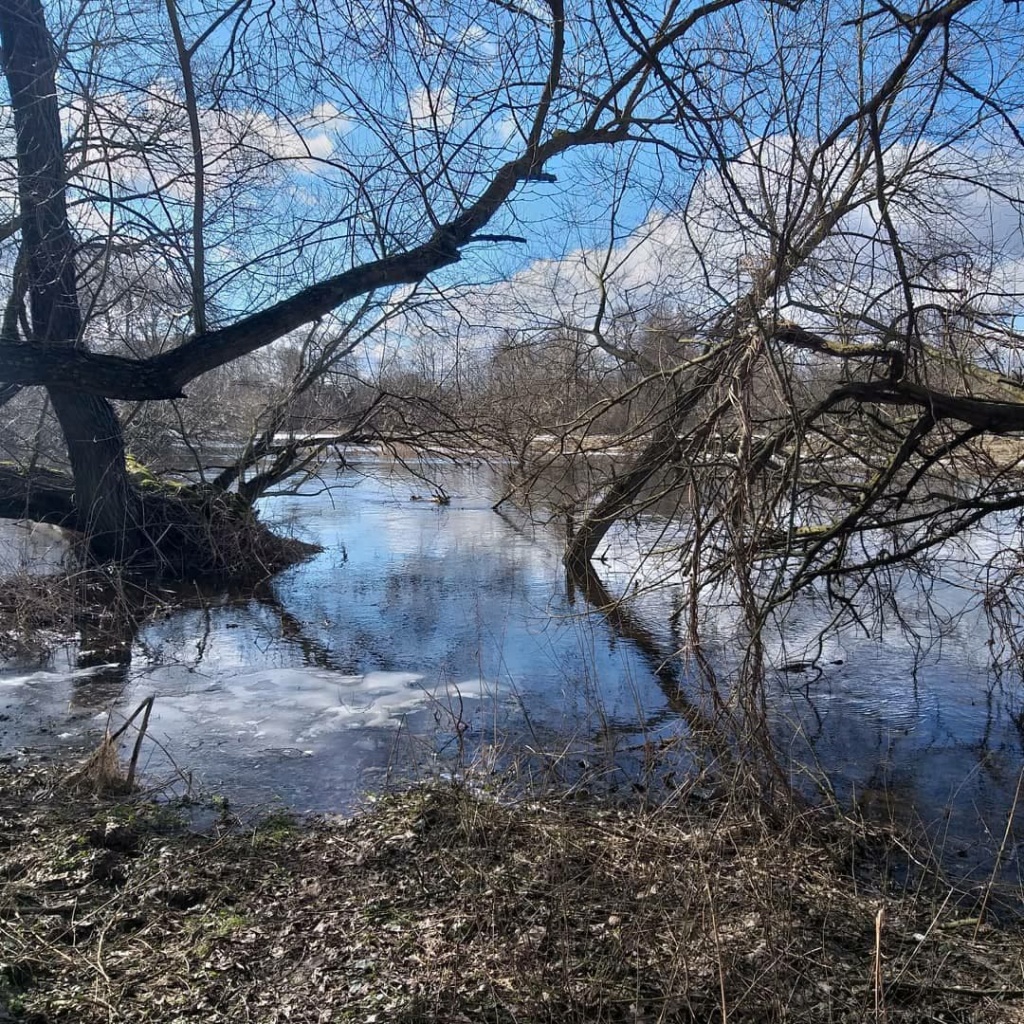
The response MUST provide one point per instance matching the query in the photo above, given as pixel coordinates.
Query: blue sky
(332, 135)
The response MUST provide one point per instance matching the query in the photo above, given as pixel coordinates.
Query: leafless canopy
(801, 305)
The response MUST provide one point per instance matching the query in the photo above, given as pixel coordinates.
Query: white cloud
(430, 110)
(139, 146)
(960, 235)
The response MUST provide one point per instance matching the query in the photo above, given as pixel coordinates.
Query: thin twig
(879, 980)
(148, 705)
(999, 857)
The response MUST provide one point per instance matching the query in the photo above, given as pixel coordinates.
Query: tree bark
(662, 448)
(107, 506)
(109, 510)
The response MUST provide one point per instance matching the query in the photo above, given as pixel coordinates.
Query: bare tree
(845, 354)
(831, 337)
(449, 114)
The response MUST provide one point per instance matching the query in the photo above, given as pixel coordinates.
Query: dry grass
(200, 533)
(439, 904)
(198, 542)
(37, 610)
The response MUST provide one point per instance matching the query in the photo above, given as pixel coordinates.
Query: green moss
(812, 531)
(225, 922)
(146, 480)
(276, 829)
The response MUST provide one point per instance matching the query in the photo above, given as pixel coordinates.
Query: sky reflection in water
(424, 633)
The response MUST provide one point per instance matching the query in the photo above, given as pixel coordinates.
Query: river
(426, 638)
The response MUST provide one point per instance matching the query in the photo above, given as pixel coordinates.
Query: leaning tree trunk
(661, 450)
(107, 504)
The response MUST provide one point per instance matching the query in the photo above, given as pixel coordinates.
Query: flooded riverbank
(440, 903)
(425, 636)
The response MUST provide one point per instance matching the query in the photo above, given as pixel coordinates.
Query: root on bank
(171, 530)
(197, 532)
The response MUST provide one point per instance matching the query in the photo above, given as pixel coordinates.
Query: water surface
(425, 636)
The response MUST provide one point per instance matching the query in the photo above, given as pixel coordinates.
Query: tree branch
(165, 375)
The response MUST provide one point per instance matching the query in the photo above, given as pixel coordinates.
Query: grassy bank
(438, 904)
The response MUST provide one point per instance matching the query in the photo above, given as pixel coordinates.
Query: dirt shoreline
(439, 904)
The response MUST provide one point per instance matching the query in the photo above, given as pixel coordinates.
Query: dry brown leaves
(438, 904)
